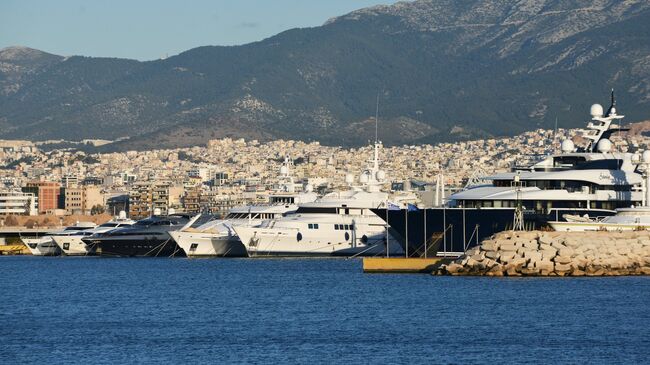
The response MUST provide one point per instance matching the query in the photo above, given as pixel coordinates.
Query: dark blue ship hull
(451, 231)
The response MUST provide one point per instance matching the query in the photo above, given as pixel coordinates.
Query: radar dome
(349, 179)
(596, 110)
(567, 146)
(364, 178)
(122, 214)
(380, 175)
(309, 188)
(171, 211)
(604, 145)
(284, 170)
(646, 156)
(156, 211)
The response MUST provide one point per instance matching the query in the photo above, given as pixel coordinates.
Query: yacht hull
(464, 227)
(596, 226)
(260, 242)
(202, 244)
(74, 246)
(136, 246)
(42, 246)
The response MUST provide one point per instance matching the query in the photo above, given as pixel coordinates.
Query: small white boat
(626, 219)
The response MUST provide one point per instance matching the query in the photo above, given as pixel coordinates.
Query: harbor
(577, 189)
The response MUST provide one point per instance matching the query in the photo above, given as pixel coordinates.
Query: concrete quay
(537, 253)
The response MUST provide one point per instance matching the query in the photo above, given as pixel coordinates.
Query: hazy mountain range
(443, 69)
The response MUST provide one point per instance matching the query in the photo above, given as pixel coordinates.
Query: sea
(66, 310)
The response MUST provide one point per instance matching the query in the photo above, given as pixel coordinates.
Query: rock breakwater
(537, 253)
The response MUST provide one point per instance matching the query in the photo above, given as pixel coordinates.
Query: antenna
(377, 119)
(555, 131)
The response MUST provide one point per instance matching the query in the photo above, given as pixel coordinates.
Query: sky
(148, 29)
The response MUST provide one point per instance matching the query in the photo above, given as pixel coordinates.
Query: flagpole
(387, 242)
(425, 232)
(406, 214)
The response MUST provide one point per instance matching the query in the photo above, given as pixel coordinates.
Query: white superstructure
(70, 243)
(626, 219)
(340, 223)
(593, 180)
(218, 238)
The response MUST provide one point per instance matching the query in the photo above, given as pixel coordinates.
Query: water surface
(94, 310)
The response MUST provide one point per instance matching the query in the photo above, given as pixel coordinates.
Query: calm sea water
(93, 310)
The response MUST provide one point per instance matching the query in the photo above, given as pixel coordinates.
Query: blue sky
(148, 29)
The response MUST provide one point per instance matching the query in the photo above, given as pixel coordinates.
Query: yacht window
(336, 227)
(352, 227)
(316, 210)
(310, 226)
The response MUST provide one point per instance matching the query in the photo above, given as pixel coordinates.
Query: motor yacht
(71, 244)
(45, 245)
(148, 237)
(339, 223)
(217, 237)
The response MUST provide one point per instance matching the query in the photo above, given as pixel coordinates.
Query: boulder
(545, 239)
(489, 245)
(508, 247)
(566, 251)
(454, 268)
(479, 256)
(562, 267)
(562, 259)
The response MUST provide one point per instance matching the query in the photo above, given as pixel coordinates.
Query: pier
(402, 264)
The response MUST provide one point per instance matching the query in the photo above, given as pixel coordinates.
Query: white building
(16, 202)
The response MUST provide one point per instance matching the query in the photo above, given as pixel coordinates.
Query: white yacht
(625, 219)
(45, 245)
(70, 243)
(217, 238)
(340, 223)
(591, 180)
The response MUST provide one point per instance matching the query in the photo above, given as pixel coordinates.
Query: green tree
(97, 209)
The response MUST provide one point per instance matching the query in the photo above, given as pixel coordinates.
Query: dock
(6, 250)
(402, 264)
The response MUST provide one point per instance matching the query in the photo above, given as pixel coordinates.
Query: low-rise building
(17, 202)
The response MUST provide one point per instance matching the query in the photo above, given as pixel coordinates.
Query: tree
(97, 209)
(11, 221)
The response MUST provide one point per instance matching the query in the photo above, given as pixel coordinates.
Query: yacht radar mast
(602, 125)
(286, 180)
(373, 177)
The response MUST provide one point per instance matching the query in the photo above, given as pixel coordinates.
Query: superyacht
(339, 223)
(626, 219)
(45, 245)
(148, 237)
(590, 181)
(217, 238)
(71, 244)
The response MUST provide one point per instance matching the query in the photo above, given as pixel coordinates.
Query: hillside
(444, 70)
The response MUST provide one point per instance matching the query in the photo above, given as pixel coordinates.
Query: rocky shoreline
(537, 253)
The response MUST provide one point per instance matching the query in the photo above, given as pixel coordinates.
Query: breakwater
(537, 253)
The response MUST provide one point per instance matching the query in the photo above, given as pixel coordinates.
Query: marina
(325, 182)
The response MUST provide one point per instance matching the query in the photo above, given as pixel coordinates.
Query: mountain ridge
(484, 68)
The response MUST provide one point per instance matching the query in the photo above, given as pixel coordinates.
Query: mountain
(442, 69)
